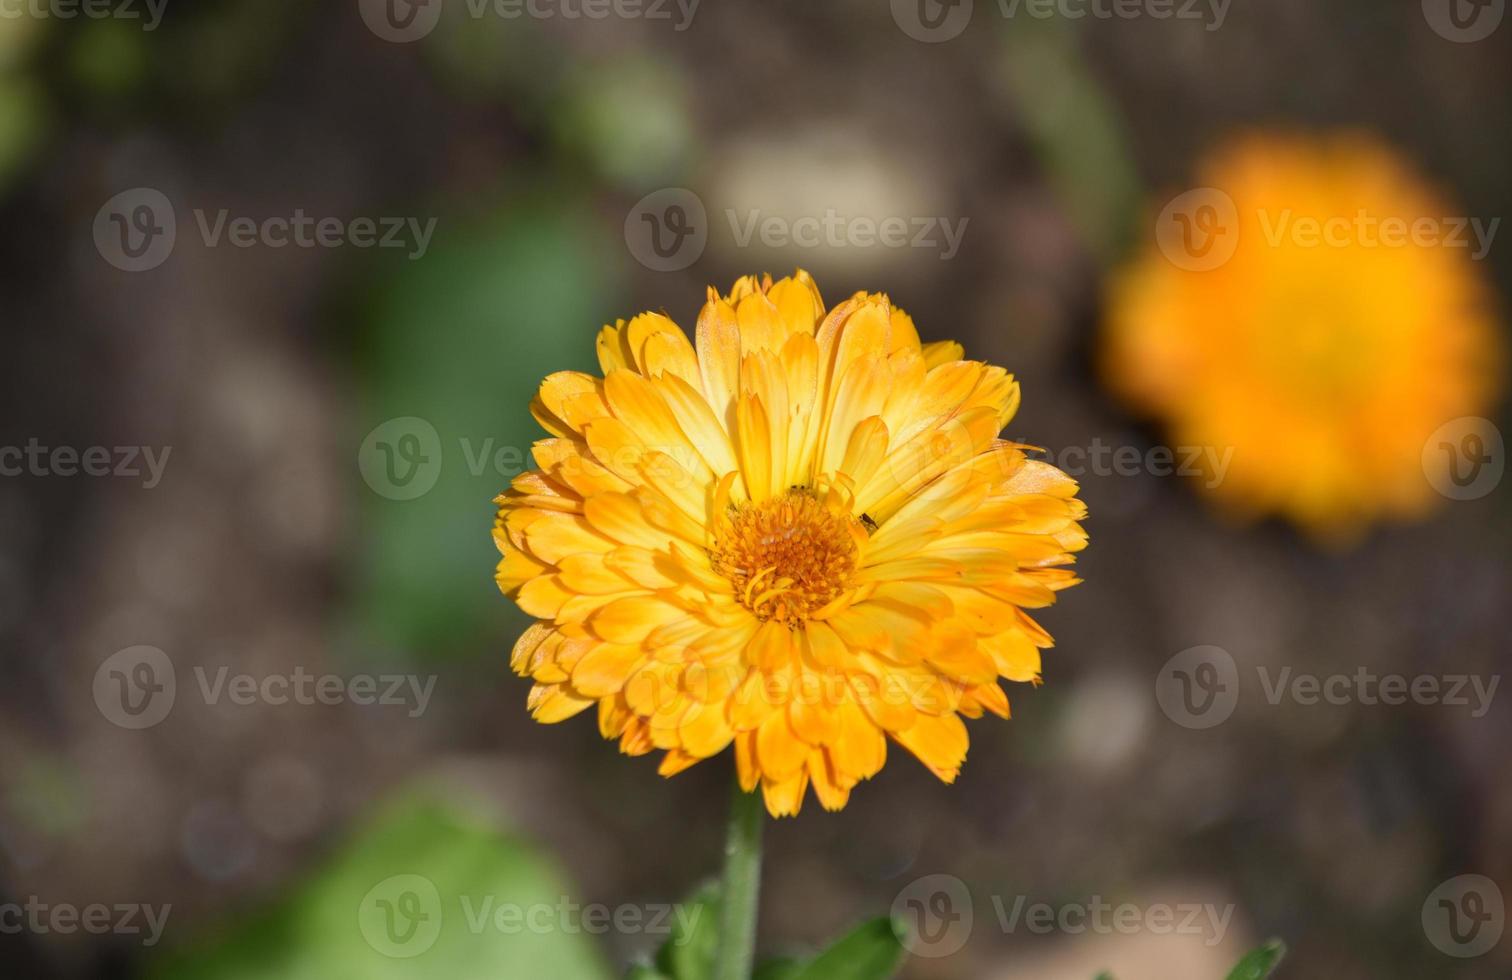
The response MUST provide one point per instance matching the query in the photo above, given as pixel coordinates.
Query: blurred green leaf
(416, 894)
(1077, 130)
(1259, 963)
(25, 120)
(778, 970)
(220, 56)
(693, 948)
(871, 952)
(461, 338)
(109, 59)
(629, 117)
(18, 37)
(643, 972)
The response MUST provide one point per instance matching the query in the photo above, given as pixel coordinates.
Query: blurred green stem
(742, 888)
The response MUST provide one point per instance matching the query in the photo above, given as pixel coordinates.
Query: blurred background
(493, 184)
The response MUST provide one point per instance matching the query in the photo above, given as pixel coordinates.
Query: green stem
(742, 888)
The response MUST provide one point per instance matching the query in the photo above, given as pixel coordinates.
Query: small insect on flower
(800, 537)
(1321, 319)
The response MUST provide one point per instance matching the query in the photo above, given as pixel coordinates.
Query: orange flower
(1321, 318)
(801, 537)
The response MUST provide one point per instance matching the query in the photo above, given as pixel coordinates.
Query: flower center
(788, 556)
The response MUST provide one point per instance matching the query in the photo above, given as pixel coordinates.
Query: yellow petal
(798, 303)
(832, 795)
(779, 750)
(705, 730)
(620, 518)
(773, 648)
(745, 762)
(629, 620)
(938, 742)
(718, 354)
(943, 352)
(605, 669)
(785, 798)
(754, 440)
(552, 704)
(860, 749)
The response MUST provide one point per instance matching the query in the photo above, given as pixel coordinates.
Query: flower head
(1346, 326)
(801, 537)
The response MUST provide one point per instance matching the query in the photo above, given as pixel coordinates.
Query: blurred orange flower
(1317, 310)
(800, 537)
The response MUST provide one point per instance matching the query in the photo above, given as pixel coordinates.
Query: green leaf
(1076, 129)
(461, 338)
(693, 948)
(421, 892)
(871, 952)
(1259, 963)
(642, 972)
(778, 970)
